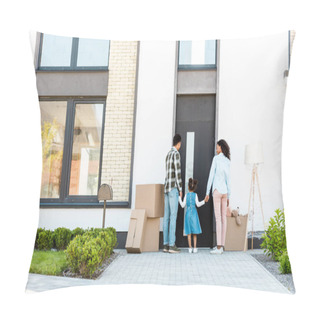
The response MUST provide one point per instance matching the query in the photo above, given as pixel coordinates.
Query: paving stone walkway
(232, 269)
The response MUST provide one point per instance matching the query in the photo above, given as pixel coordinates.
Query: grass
(48, 262)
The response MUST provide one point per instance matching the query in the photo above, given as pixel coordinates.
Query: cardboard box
(151, 235)
(151, 198)
(236, 236)
(136, 230)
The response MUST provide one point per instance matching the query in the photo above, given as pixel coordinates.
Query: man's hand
(206, 199)
(181, 194)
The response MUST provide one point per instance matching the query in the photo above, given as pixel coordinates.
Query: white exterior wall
(153, 137)
(250, 109)
(250, 100)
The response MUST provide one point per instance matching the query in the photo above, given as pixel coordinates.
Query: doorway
(195, 122)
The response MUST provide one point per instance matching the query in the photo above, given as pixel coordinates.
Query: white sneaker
(216, 250)
(195, 250)
(190, 250)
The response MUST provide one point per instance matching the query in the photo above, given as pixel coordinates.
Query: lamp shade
(253, 153)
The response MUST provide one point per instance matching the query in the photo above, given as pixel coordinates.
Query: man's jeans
(171, 200)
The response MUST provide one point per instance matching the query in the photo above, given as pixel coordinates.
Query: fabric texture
(219, 177)
(220, 211)
(170, 217)
(173, 171)
(191, 219)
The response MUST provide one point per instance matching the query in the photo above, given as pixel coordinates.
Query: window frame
(197, 66)
(73, 63)
(66, 200)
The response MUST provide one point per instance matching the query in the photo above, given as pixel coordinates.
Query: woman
(219, 181)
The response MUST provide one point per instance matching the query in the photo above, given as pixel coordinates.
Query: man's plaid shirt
(173, 171)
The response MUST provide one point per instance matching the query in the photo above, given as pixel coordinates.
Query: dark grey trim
(217, 104)
(74, 53)
(289, 49)
(175, 89)
(118, 204)
(73, 62)
(196, 66)
(102, 142)
(134, 123)
(40, 51)
(67, 152)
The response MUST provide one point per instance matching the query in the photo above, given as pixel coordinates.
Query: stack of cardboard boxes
(144, 227)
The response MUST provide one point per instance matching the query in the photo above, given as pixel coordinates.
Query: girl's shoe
(190, 250)
(195, 250)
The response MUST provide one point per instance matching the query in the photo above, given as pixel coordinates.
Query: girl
(191, 219)
(219, 182)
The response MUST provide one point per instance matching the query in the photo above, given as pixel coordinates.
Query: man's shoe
(174, 249)
(216, 250)
(165, 248)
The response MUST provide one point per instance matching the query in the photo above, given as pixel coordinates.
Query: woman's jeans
(220, 212)
(171, 200)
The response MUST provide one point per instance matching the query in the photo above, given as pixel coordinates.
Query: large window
(72, 134)
(197, 54)
(66, 53)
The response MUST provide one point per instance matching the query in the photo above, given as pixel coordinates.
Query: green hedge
(61, 237)
(44, 239)
(85, 249)
(86, 252)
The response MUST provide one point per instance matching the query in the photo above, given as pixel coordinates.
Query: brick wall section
(117, 148)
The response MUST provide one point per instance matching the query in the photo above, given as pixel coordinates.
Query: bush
(274, 239)
(285, 266)
(37, 237)
(62, 238)
(86, 252)
(45, 240)
(77, 232)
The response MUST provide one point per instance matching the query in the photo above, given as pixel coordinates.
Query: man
(172, 188)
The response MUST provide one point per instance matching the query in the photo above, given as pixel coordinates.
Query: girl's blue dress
(191, 219)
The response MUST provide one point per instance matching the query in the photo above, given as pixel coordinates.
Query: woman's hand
(228, 203)
(206, 199)
(181, 195)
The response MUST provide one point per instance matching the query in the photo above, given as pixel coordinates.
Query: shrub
(274, 239)
(37, 237)
(86, 252)
(62, 237)
(77, 232)
(285, 266)
(45, 240)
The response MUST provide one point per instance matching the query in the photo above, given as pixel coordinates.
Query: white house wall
(250, 109)
(250, 100)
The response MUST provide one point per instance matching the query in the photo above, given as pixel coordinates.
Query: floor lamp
(254, 157)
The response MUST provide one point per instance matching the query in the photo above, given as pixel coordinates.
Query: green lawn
(48, 262)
